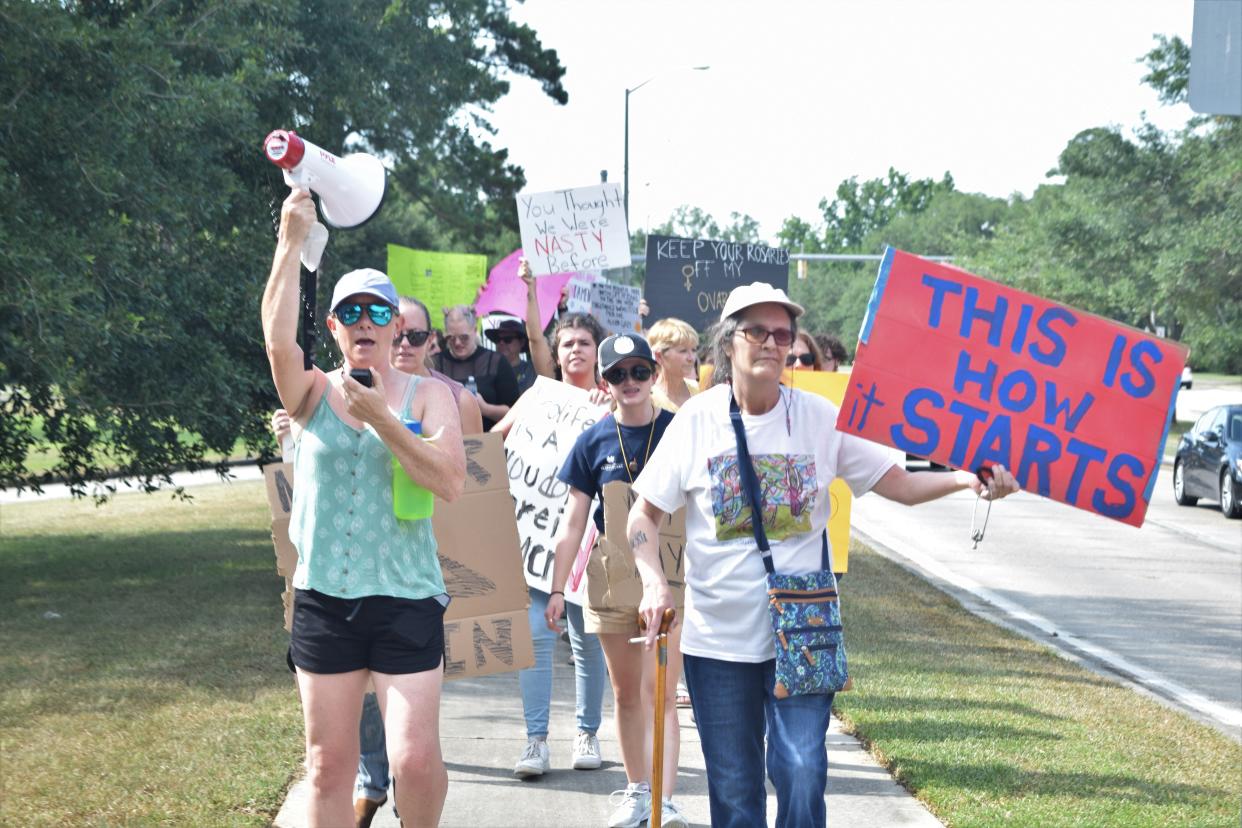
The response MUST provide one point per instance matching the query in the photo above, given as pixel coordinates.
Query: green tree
(136, 208)
(857, 220)
(861, 209)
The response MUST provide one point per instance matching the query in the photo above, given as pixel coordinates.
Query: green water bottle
(410, 501)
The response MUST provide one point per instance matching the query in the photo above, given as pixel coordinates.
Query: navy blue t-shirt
(595, 459)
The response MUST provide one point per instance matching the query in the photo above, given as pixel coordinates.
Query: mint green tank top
(349, 542)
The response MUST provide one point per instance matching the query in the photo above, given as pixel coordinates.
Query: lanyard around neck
(647, 455)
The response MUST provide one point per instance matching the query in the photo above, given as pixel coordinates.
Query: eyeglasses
(416, 338)
(617, 375)
(805, 359)
(466, 337)
(757, 335)
(380, 314)
(505, 340)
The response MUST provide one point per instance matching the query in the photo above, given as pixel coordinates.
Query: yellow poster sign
(438, 280)
(831, 386)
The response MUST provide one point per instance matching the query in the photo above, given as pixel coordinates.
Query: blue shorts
(378, 633)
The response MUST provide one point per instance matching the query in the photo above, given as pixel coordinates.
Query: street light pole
(626, 167)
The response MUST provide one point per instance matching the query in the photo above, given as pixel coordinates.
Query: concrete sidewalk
(482, 734)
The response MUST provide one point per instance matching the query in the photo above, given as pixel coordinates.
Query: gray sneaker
(586, 751)
(534, 761)
(670, 816)
(633, 806)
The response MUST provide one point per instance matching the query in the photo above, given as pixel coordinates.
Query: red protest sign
(968, 372)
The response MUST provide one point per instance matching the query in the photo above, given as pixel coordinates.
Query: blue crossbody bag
(804, 611)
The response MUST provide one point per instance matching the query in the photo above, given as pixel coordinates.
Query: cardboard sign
(482, 645)
(550, 417)
(505, 292)
(578, 298)
(967, 372)
(574, 230)
(278, 479)
(438, 280)
(690, 279)
(486, 628)
(616, 306)
(612, 575)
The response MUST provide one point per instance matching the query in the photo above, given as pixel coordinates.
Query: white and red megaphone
(350, 189)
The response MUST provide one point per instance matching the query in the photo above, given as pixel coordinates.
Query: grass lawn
(159, 696)
(989, 728)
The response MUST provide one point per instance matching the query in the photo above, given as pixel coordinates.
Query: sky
(802, 95)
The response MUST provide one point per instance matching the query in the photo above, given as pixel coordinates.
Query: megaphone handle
(309, 286)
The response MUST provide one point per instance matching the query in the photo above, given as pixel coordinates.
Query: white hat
(757, 293)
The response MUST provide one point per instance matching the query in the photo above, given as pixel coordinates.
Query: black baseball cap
(623, 346)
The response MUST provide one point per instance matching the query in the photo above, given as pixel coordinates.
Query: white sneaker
(586, 751)
(669, 815)
(534, 761)
(633, 806)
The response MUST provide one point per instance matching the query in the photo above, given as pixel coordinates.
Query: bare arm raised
(540, 353)
(280, 307)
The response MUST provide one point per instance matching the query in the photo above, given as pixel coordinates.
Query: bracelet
(556, 592)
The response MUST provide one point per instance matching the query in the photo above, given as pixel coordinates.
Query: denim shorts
(378, 633)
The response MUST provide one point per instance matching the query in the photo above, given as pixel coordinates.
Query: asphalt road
(1161, 604)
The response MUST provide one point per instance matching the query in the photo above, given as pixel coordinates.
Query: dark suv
(1208, 458)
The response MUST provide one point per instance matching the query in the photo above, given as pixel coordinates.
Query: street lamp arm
(640, 86)
(626, 164)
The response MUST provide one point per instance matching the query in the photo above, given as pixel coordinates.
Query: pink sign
(506, 292)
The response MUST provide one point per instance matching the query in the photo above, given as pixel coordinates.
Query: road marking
(1121, 666)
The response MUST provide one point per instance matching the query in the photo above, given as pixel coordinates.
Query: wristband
(556, 592)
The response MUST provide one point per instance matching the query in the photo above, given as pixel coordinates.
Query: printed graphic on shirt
(787, 484)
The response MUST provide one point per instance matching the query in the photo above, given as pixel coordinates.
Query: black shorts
(378, 633)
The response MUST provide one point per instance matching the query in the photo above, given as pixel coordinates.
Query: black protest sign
(690, 279)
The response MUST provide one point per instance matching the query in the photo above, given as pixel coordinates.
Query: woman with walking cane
(618, 448)
(749, 421)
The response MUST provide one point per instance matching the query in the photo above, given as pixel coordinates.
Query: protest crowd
(661, 439)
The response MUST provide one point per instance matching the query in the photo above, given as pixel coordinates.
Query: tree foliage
(136, 209)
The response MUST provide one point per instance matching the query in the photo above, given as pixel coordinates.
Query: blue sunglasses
(380, 313)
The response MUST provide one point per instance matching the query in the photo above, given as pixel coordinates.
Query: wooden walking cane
(657, 739)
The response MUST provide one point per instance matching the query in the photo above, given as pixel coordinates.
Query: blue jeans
(372, 781)
(589, 669)
(734, 709)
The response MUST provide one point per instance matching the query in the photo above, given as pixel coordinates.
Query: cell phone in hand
(361, 375)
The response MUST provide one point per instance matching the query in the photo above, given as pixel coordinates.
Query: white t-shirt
(695, 465)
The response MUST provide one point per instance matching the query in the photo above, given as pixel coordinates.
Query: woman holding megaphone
(369, 596)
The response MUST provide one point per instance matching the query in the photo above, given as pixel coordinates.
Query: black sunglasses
(380, 313)
(505, 340)
(805, 359)
(416, 338)
(757, 335)
(617, 375)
